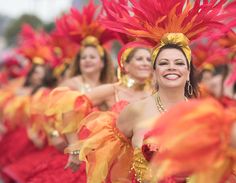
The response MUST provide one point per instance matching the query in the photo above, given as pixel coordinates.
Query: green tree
(14, 27)
(48, 27)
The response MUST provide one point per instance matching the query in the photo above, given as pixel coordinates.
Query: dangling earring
(155, 88)
(189, 88)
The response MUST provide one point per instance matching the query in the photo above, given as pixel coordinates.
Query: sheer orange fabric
(16, 111)
(60, 101)
(107, 152)
(195, 140)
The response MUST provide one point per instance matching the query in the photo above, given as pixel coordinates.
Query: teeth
(171, 76)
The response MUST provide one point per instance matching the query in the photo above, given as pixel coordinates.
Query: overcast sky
(47, 10)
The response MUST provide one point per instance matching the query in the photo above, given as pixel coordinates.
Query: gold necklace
(131, 83)
(159, 104)
(85, 87)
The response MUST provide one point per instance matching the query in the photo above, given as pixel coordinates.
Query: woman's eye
(162, 63)
(180, 63)
(139, 58)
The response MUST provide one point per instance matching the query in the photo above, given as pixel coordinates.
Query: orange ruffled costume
(21, 169)
(64, 111)
(60, 101)
(108, 154)
(195, 140)
(15, 142)
(37, 117)
(105, 150)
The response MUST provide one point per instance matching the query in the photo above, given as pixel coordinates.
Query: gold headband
(125, 56)
(58, 51)
(59, 69)
(38, 60)
(178, 39)
(208, 66)
(93, 41)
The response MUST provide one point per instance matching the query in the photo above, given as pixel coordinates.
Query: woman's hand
(35, 138)
(59, 143)
(73, 162)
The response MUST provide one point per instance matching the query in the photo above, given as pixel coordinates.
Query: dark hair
(48, 80)
(62, 74)
(222, 70)
(234, 88)
(29, 75)
(107, 73)
(192, 75)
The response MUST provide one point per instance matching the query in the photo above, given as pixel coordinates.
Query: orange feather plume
(149, 20)
(36, 46)
(78, 25)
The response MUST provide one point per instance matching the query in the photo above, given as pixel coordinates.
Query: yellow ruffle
(17, 111)
(37, 112)
(71, 120)
(60, 101)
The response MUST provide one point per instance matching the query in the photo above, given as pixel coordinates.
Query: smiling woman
(174, 70)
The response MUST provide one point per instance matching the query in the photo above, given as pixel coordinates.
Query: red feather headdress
(150, 20)
(84, 27)
(36, 46)
(209, 54)
(64, 48)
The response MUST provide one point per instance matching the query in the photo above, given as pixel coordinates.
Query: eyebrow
(179, 59)
(165, 59)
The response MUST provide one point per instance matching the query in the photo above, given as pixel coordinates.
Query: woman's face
(171, 69)
(90, 61)
(206, 79)
(139, 66)
(216, 85)
(38, 75)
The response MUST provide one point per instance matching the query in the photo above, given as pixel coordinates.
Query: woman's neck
(170, 97)
(133, 84)
(92, 80)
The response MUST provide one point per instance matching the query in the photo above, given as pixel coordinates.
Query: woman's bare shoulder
(72, 82)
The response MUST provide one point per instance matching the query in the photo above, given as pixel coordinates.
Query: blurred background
(38, 13)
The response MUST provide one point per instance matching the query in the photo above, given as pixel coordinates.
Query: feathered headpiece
(209, 54)
(229, 41)
(158, 23)
(64, 50)
(84, 27)
(36, 46)
(15, 67)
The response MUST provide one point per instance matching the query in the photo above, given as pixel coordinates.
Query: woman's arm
(100, 94)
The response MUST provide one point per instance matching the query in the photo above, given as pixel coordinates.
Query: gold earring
(189, 88)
